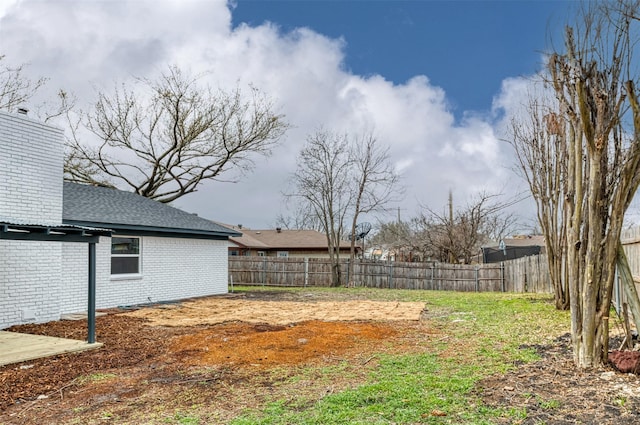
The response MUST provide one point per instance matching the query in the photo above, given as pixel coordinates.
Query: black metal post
(91, 308)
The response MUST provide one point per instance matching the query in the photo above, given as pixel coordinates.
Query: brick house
(145, 251)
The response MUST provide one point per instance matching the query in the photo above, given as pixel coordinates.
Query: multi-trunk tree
(593, 132)
(539, 142)
(338, 178)
(596, 89)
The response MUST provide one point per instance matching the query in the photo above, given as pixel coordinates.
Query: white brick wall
(50, 278)
(31, 166)
(181, 268)
(172, 269)
(29, 281)
(31, 160)
(75, 274)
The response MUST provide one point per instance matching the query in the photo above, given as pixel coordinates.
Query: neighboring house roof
(247, 241)
(284, 239)
(121, 211)
(512, 248)
(531, 240)
(528, 240)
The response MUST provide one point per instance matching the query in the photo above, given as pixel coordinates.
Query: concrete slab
(79, 316)
(18, 347)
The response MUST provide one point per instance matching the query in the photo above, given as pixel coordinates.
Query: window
(283, 254)
(261, 254)
(125, 255)
(233, 253)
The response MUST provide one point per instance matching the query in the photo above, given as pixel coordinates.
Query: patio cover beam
(64, 233)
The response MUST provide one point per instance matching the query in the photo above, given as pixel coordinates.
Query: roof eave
(154, 229)
(43, 232)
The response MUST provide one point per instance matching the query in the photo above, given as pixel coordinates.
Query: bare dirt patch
(206, 351)
(261, 346)
(218, 310)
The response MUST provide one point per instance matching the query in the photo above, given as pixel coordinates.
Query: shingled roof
(104, 207)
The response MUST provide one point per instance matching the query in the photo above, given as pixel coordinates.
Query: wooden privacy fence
(630, 239)
(528, 274)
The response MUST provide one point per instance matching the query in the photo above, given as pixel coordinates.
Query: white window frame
(137, 274)
(283, 254)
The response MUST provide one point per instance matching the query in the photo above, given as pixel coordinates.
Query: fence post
(365, 276)
(348, 264)
(432, 274)
(477, 271)
(504, 289)
(264, 270)
(526, 283)
(306, 271)
(390, 275)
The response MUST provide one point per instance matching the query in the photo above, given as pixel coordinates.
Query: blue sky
(466, 47)
(434, 81)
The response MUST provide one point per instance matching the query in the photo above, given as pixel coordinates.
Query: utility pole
(451, 258)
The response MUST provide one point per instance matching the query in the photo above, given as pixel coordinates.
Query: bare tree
(338, 178)
(456, 235)
(164, 141)
(15, 87)
(593, 82)
(539, 142)
(376, 184)
(323, 186)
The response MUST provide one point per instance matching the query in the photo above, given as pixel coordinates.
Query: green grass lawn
(483, 333)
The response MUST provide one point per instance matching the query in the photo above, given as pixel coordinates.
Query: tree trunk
(336, 272)
(556, 263)
(590, 312)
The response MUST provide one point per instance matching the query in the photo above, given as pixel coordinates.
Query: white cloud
(6, 6)
(83, 44)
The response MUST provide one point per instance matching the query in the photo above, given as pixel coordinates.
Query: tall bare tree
(539, 142)
(163, 140)
(15, 87)
(376, 184)
(338, 178)
(323, 186)
(595, 83)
